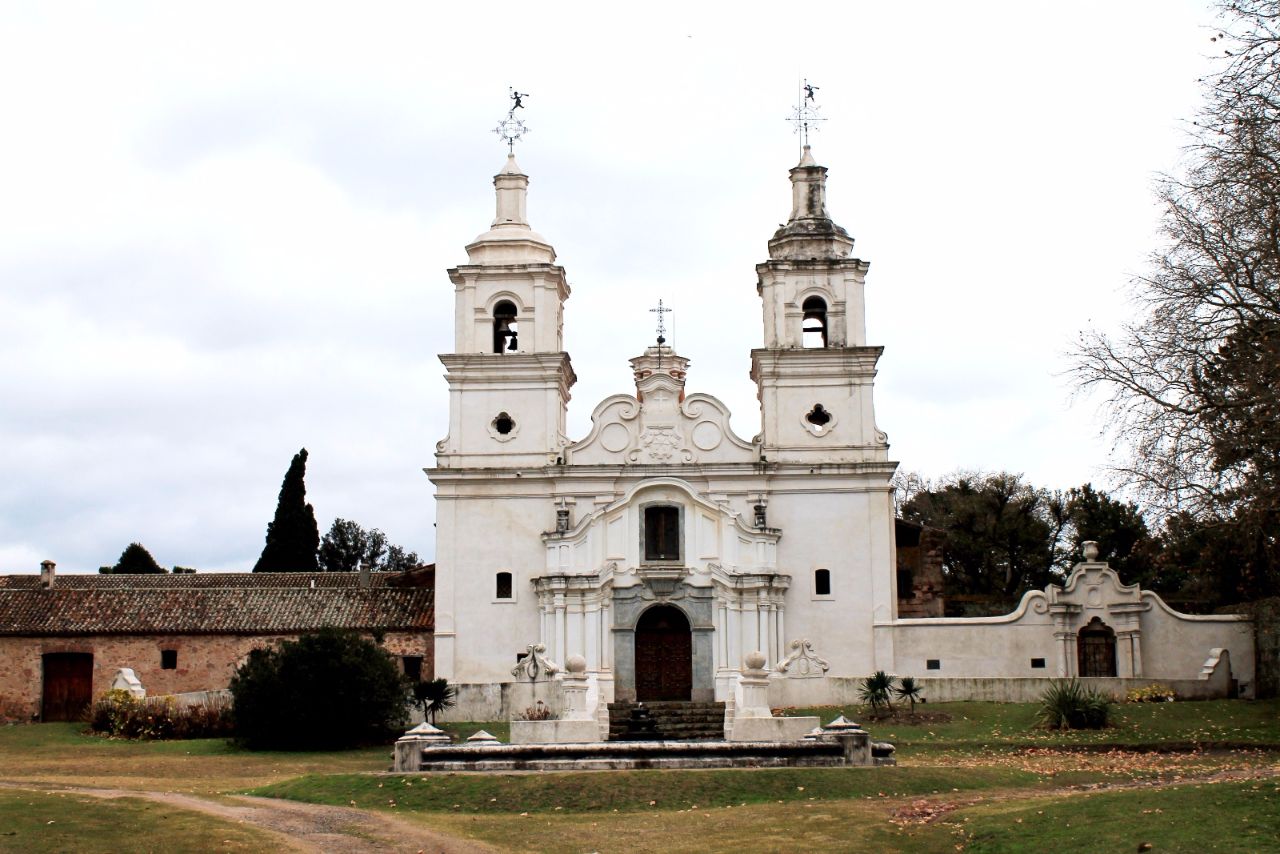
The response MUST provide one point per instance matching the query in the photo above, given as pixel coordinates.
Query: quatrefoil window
(819, 421)
(503, 427)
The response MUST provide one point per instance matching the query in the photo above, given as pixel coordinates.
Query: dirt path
(301, 827)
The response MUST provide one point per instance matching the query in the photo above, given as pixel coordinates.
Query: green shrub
(119, 714)
(1069, 705)
(1155, 693)
(331, 689)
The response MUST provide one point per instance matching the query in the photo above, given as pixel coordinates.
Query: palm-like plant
(876, 690)
(910, 690)
(434, 696)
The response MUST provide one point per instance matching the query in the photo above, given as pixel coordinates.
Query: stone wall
(1266, 638)
(204, 662)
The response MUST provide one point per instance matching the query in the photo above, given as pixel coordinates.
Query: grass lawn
(1230, 816)
(983, 725)
(33, 822)
(636, 791)
(61, 753)
(987, 780)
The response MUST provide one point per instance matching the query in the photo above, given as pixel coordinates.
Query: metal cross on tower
(662, 322)
(805, 113)
(511, 129)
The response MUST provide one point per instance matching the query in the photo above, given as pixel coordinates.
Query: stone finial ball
(754, 660)
(1090, 549)
(575, 664)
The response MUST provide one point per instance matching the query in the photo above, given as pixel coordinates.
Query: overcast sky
(224, 230)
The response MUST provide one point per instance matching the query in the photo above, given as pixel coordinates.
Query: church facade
(662, 548)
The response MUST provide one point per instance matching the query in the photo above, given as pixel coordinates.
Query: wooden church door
(664, 655)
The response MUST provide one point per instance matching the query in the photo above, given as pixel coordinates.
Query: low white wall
(502, 701)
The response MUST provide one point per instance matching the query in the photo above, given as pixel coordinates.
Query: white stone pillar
(574, 685)
(755, 688)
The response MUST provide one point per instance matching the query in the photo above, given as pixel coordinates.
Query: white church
(662, 549)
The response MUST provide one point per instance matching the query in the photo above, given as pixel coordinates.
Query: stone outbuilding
(64, 637)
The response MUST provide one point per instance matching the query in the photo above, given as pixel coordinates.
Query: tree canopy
(293, 537)
(134, 560)
(1006, 536)
(1192, 384)
(347, 545)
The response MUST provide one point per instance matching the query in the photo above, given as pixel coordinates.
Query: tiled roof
(167, 581)
(212, 603)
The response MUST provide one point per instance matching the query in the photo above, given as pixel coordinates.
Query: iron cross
(662, 322)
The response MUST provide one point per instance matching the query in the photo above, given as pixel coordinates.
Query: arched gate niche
(1096, 648)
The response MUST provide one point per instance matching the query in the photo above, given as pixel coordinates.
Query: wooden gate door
(68, 685)
(664, 655)
(1097, 644)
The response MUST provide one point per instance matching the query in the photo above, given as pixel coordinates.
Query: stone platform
(835, 750)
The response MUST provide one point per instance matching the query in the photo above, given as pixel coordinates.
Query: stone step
(674, 720)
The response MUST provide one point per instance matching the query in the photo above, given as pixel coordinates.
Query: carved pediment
(661, 430)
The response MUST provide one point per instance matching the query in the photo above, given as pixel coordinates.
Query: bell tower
(509, 377)
(815, 372)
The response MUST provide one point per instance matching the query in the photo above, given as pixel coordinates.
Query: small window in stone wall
(933, 664)
(822, 582)
(168, 659)
(502, 588)
(1037, 663)
(412, 667)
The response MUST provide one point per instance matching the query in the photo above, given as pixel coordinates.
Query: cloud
(224, 233)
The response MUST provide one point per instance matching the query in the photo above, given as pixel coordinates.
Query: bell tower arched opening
(813, 328)
(504, 327)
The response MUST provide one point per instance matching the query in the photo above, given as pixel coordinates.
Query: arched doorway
(1096, 647)
(664, 655)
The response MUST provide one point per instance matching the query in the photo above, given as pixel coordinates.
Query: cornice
(809, 265)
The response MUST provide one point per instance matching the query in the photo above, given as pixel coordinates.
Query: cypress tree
(293, 536)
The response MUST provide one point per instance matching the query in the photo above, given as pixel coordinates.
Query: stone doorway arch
(664, 655)
(1096, 649)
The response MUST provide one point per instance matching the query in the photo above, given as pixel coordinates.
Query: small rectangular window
(412, 667)
(933, 664)
(1037, 663)
(822, 582)
(502, 587)
(168, 659)
(662, 533)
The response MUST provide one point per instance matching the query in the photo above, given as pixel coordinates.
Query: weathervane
(662, 322)
(805, 114)
(510, 129)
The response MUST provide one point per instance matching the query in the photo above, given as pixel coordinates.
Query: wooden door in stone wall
(68, 685)
(664, 655)
(1097, 649)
